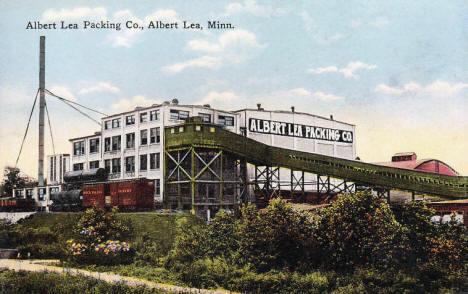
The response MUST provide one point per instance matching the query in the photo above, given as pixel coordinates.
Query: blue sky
(397, 70)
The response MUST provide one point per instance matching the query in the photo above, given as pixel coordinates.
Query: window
(154, 115)
(115, 143)
(143, 162)
(52, 169)
(130, 120)
(154, 161)
(19, 193)
(53, 190)
(143, 137)
(41, 192)
(206, 117)
(144, 117)
(155, 137)
(107, 165)
(107, 144)
(157, 187)
(226, 120)
(107, 124)
(115, 165)
(130, 164)
(78, 166)
(94, 145)
(94, 164)
(29, 193)
(130, 140)
(116, 123)
(79, 148)
(178, 114)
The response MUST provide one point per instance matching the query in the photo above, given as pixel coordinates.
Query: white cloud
(436, 89)
(100, 87)
(304, 93)
(326, 97)
(78, 13)
(204, 61)
(230, 47)
(320, 70)
(355, 23)
(316, 33)
(166, 15)
(225, 42)
(222, 97)
(347, 72)
(129, 104)
(380, 22)
(252, 7)
(300, 92)
(63, 91)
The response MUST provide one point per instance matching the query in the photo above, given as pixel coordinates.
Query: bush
(358, 229)
(97, 239)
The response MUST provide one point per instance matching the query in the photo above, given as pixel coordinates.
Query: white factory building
(131, 144)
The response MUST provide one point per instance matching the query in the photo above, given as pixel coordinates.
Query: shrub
(357, 229)
(97, 239)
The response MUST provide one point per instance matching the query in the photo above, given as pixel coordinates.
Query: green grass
(45, 283)
(155, 225)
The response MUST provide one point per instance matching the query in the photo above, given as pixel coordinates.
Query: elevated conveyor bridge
(207, 165)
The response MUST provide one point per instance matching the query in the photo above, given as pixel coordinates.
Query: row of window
(113, 165)
(222, 119)
(130, 119)
(174, 115)
(79, 147)
(114, 143)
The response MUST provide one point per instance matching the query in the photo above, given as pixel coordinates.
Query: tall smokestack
(40, 173)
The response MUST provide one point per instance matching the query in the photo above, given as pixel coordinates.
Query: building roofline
(161, 105)
(290, 112)
(84, 137)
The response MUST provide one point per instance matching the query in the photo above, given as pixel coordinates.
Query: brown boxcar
(126, 195)
(133, 195)
(94, 195)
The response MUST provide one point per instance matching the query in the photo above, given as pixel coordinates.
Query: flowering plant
(97, 239)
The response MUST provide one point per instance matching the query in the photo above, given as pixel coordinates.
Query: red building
(408, 160)
(450, 207)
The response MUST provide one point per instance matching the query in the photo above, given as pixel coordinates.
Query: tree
(358, 229)
(12, 178)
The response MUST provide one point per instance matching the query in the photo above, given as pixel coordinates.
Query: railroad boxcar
(133, 195)
(12, 204)
(95, 195)
(126, 195)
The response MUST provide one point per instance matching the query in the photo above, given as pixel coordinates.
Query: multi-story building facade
(131, 144)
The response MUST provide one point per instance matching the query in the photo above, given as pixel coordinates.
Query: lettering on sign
(301, 131)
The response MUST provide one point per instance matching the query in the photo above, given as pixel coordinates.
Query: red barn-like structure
(408, 160)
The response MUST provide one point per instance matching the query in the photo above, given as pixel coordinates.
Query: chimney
(259, 106)
(331, 116)
(292, 109)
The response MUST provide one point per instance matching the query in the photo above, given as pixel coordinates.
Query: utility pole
(40, 174)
